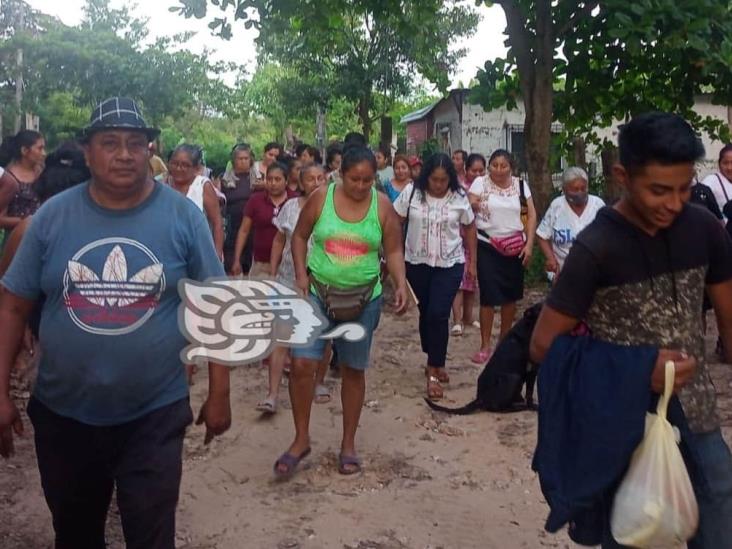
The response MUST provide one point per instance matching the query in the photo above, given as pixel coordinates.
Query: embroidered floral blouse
(433, 234)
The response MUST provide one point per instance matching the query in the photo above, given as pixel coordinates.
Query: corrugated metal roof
(419, 113)
(424, 111)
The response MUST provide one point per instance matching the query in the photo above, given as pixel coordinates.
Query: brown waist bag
(344, 304)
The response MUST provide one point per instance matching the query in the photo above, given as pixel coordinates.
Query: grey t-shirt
(109, 332)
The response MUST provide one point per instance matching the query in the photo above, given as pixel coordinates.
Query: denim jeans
(435, 288)
(712, 480)
(354, 354)
(710, 467)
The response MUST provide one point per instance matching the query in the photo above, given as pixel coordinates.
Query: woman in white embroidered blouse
(504, 244)
(434, 208)
(721, 182)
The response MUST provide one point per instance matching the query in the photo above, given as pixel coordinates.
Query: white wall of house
(446, 123)
(712, 147)
(704, 108)
(484, 132)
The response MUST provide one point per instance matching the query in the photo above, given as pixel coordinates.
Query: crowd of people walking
(98, 234)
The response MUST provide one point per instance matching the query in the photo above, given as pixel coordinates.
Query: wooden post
(320, 137)
(386, 132)
(580, 158)
(32, 122)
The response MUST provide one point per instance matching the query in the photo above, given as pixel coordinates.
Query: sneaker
(457, 329)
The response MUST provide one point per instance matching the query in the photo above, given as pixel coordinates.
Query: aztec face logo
(99, 295)
(237, 322)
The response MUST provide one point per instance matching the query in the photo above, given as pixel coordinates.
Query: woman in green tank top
(349, 222)
(345, 253)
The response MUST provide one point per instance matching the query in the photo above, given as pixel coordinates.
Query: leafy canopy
(612, 59)
(68, 70)
(351, 49)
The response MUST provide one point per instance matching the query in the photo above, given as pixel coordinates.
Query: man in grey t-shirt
(110, 406)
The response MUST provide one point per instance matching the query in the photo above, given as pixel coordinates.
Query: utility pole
(20, 20)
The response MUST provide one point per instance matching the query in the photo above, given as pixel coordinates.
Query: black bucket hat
(118, 113)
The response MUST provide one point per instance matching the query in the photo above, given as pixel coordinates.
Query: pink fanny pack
(510, 245)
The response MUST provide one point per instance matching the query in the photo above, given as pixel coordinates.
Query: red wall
(418, 132)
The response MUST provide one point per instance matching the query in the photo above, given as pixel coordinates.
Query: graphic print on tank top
(113, 286)
(345, 249)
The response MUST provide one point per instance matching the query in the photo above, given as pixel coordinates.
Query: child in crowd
(462, 307)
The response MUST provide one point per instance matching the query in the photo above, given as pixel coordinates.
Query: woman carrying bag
(506, 221)
(349, 223)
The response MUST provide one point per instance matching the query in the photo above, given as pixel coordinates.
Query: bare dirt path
(430, 480)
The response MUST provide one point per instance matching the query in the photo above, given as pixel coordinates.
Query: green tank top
(346, 254)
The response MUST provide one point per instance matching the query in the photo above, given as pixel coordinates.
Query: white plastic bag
(655, 505)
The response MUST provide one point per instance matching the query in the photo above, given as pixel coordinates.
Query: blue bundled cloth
(593, 399)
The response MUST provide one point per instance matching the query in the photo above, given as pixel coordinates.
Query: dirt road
(430, 480)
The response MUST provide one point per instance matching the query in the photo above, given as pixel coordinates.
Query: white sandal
(267, 406)
(457, 329)
(322, 394)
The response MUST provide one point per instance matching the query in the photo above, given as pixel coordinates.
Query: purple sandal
(290, 462)
(345, 461)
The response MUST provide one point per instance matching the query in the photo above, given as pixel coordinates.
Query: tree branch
(520, 38)
(353, 48)
(586, 10)
(369, 28)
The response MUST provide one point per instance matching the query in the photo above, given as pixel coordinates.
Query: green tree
(276, 93)
(586, 63)
(100, 16)
(62, 117)
(341, 119)
(67, 68)
(358, 49)
(217, 134)
(17, 19)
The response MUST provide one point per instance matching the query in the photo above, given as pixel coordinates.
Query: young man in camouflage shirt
(637, 275)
